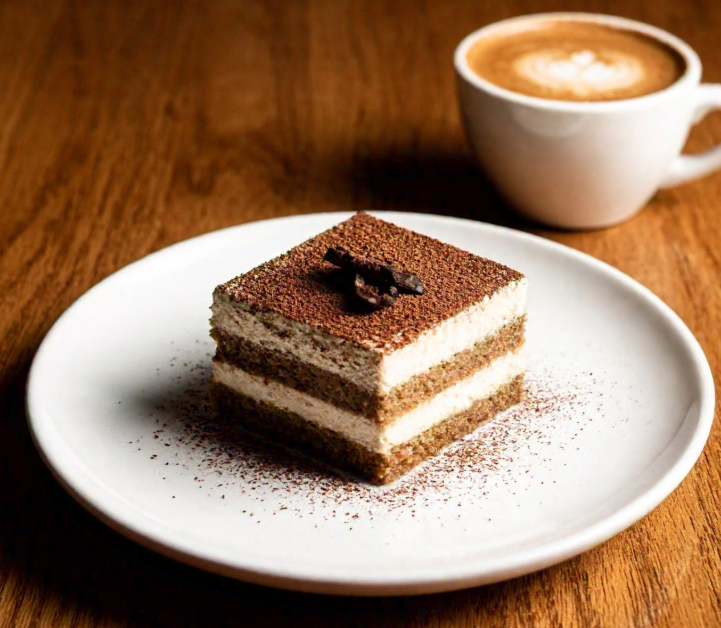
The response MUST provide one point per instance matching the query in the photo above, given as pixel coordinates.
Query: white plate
(620, 405)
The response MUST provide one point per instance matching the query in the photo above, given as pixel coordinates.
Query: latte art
(575, 60)
(582, 73)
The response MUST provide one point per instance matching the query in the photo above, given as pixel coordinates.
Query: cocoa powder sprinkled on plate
(236, 464)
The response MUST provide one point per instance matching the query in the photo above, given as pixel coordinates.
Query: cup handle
(687, 167)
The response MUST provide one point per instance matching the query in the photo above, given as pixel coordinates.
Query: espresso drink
(575, 60)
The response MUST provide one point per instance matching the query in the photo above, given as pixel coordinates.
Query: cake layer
(370, 367)
(379, 468)
(268, 331)
(347, 395)
(294, 285)
(370, 434)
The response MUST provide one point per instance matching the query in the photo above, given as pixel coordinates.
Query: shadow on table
(434, 180)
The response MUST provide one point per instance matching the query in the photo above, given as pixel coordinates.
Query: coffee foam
(583, 73)
(582, 61)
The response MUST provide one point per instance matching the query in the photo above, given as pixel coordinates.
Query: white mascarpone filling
(271, 332)
(369, 368)
(454, 335)
(380, 438)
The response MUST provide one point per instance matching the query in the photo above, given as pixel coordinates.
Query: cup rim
(692, 75)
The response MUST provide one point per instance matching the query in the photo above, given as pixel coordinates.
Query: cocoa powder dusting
(452, 280)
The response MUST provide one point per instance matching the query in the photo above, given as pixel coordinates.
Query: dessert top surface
(292, 284)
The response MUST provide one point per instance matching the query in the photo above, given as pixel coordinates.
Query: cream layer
(377, 369)
(355, 427)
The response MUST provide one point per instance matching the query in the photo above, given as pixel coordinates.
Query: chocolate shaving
(372, 271)
(407, 282)
(375, 284)
(371, 296)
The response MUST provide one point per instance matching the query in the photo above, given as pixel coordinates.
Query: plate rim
(470, 573)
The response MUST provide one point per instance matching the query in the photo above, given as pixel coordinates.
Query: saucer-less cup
(583, 165)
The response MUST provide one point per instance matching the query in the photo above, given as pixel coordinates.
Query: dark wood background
(126, 126)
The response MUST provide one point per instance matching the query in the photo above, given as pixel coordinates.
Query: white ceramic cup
(583, 165)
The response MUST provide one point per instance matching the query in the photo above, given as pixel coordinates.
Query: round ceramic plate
(619, 405)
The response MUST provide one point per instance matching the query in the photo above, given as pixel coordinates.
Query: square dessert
(369, 346)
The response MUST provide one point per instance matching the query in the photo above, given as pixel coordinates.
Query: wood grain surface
(126, 126)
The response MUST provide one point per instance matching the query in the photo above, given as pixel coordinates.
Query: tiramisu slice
(369, 346)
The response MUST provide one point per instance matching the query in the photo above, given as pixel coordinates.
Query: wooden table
(126, 126)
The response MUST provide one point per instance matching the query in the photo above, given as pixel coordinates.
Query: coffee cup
(580, 126)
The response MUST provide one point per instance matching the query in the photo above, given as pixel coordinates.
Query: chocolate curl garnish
(338, 256)
(383, 276)
(372, 297)
(407, 282)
